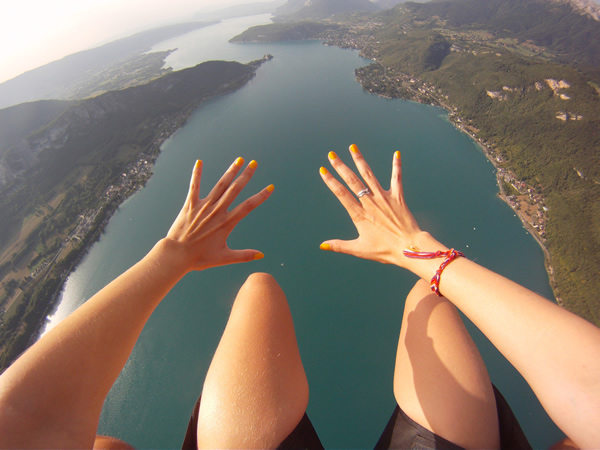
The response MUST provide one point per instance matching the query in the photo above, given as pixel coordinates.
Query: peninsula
(62, 183)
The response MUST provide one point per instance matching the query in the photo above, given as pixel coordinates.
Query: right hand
(384, 223)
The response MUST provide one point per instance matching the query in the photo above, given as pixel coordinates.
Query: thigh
(256, 390)
(440, 379)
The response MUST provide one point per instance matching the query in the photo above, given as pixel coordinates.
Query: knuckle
(356, 215)
(340, 191)
(352, 179)
(235, 189)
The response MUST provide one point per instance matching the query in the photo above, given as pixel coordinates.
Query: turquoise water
(347, 312)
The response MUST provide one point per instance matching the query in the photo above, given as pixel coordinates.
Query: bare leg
(440, 380)
(111, 443)
(256, 390)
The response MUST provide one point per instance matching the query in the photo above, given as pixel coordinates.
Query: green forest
(559, 157)
(111, 142)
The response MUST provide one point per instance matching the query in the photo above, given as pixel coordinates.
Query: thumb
(239, 256)
(339, 246)
(235, 257)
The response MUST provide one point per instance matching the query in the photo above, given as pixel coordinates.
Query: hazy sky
(36, 32)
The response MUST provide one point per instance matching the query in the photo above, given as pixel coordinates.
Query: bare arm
(53, 394)
(555, 350)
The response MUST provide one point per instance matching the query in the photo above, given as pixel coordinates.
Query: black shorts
(400, 432)
(303, 436)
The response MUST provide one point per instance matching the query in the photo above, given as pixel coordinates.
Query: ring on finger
(365, 191)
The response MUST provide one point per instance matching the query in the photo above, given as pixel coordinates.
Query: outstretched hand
(199, 234)
(384, 223)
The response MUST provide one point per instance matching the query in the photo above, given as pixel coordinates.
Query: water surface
(347, 312)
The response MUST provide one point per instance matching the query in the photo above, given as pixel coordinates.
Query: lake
(347, 312)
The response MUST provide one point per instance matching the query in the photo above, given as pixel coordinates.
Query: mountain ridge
(305, 9)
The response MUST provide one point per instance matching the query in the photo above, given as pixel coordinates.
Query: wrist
(171, 256)
(423, 268)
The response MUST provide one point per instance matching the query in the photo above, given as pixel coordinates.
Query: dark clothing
(403, 432)
(400, 432)
(303, 436)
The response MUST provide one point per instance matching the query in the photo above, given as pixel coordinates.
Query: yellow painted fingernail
(397, 155)
(198, 163)
(325, 246)
(270, 188)
(332, 155)
(354, 148)
(239, 161)
(323, 171)
(253, 164)
(259, 255)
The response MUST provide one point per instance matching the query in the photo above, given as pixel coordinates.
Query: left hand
(384, 223)
(198, 236)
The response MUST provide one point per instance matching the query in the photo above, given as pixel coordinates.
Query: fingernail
(253, 164)
(259, 255)
(198, 164)
(270, 188)
(323, 171)
(239, 161)
(354, 148)
(397, 155)
(332, 155)
(325, 246)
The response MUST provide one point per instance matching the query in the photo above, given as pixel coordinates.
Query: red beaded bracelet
(450, 256)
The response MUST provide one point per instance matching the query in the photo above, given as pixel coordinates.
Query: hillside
(522, 77)
(321, 9)
(70, 175)
(18, 122)
(243, 10)
(279, 32)
(529, 102)
(556, 26)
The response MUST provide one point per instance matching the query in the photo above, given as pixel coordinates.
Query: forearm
(64, 377)
(552, 348)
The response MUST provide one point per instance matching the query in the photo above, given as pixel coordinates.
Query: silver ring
(363, 192)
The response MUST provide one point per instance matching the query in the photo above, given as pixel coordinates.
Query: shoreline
(423, 93)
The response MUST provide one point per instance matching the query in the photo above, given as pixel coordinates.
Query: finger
(365, 170)
(222, 185)
(348, 201)
(352, 180)
(194, 191)
(236, 187)
(396, 183)
(244, 208)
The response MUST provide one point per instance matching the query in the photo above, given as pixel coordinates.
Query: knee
(419, 291)
(419, 294)
(260, 290)
(261, 279)
(261, 282)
